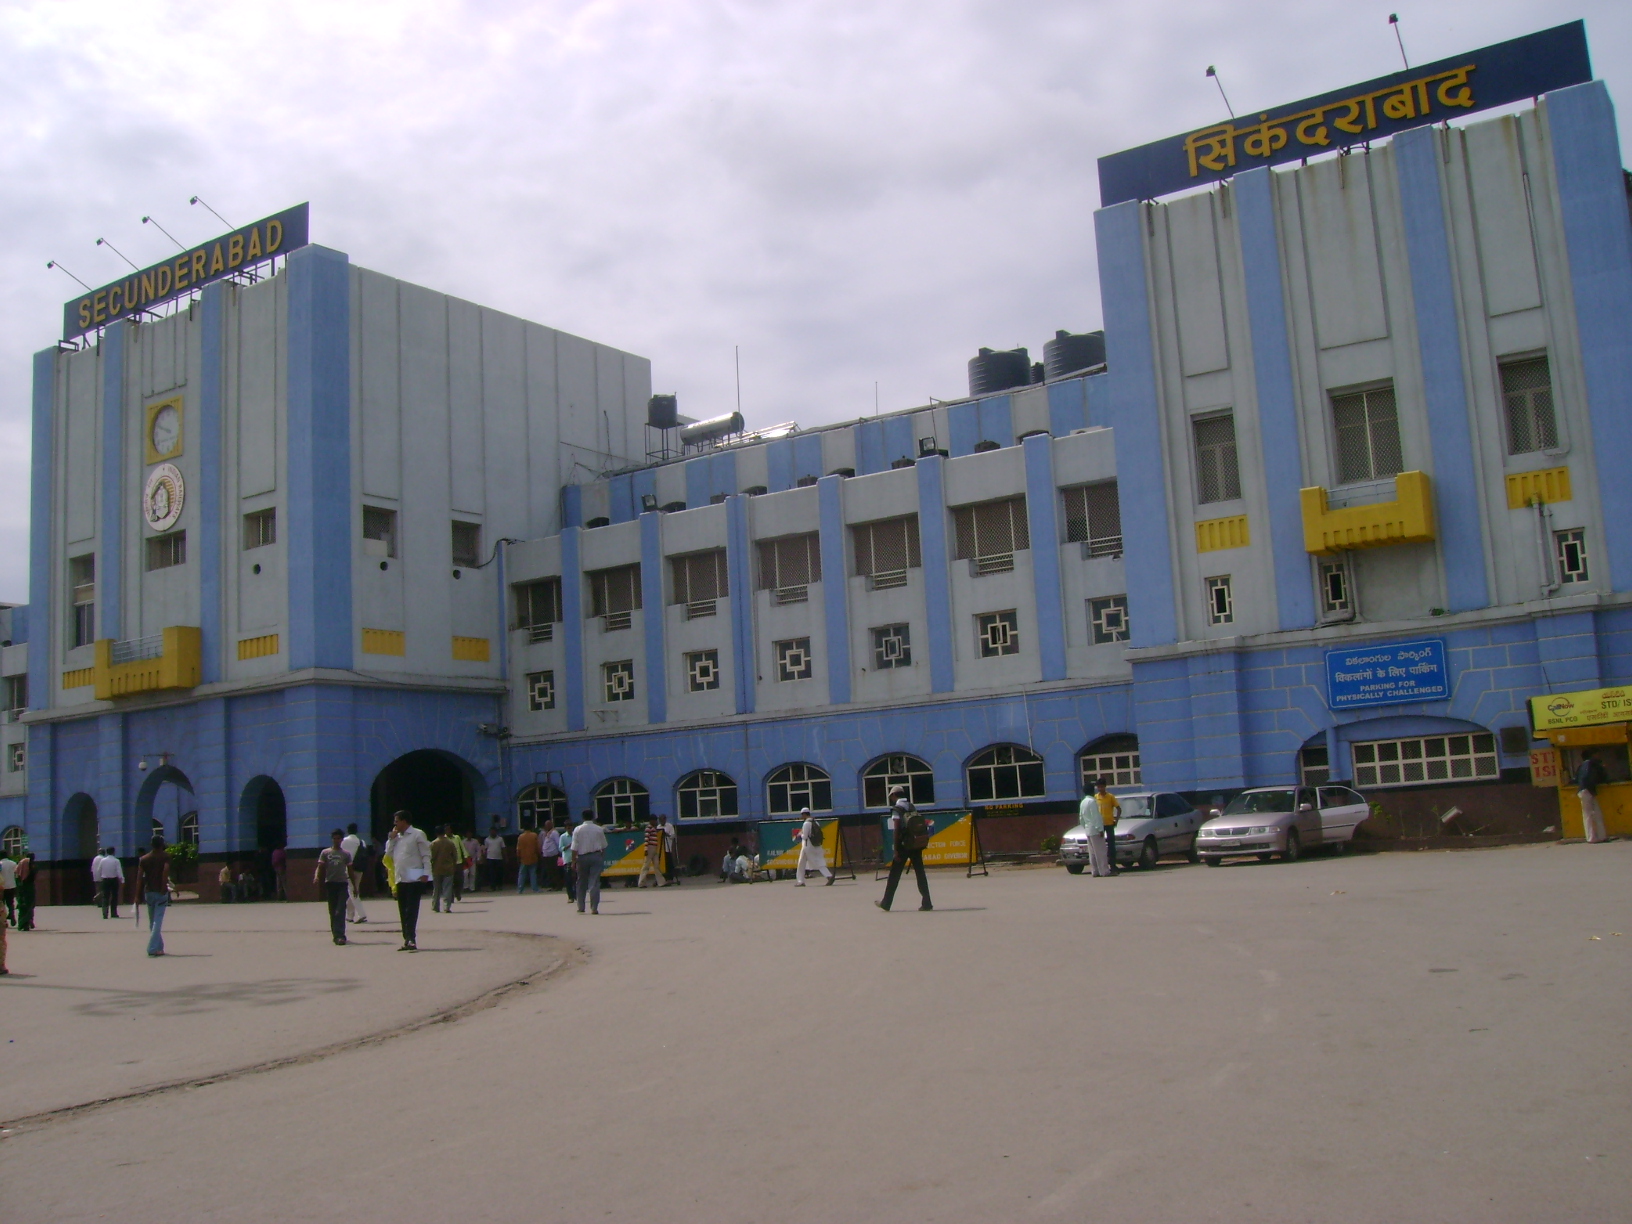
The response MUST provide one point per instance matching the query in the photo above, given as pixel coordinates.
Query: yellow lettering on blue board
(254, 249)
(235, 250)
(146, 287)
(182, 265)
(84, 312)
(200, 262)
(274, 236)
(162, 280)
(113, 300)
(217, 264)
(101, 311)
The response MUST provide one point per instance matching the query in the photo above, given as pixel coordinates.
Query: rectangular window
(538, 608)
(789, 565)
(1093, 515)
(1220, 602)
(997, 633)
(703, 670)
(614, 595)
(619, 679)
(1367, 428)
(1117, 768)
(1314, 767)
(260, 529)
(16, 696)
(1108, 619)
(700, 581)
(467, 543)
(989, 534)
(379, 532)
(793, 660)
(82, 597)
(163, 551)
(886, 550)
(1431, 758)
(1336, 590)
(1218, 473)
(16, 757)
(892, 647)
(1527, 394)
(540, 691)
(1572, 555)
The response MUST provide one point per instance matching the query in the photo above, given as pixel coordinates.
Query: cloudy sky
(854, 193)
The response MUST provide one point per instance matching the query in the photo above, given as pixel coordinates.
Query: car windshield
(1134, 805)
(1261, 801)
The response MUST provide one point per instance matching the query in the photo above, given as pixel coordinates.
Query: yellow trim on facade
(1408, 519)
(258, 647)
(80, 677)
(470, 649)
(180, 665)
(1547, 485)
(1212, 535)
(385, 642)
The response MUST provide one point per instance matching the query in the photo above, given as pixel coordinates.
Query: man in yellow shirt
(1109, 810)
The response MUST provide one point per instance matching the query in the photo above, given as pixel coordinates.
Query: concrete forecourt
(1387, 1037)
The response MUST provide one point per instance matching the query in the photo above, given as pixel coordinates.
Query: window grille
(990, 533)
(619, 678)
(379, 531)
(16, 696)
(538, 608)
(1367, 427)
(1572, 555)
(538, 803)
(135, 650)
(1430, 758)
(699, 581)
(793, 660)
(888, 772)
(614, 594)
(1527, 394)
(189, 829)
(1220, 602)
(82, 589)
(1006, 772)
(997, 633)
(1336, 590)
(621, 801)
(1108, 619)
(892, 647)
(791, 787)
(1218, 472)
(1116, 760)
(540, 691)
(1093, 515)
(703, 670)
(789, 565)
(16, 757)
(706, 794)
(467, 543)
(11, 842)
(165, 551)
(886, 550)
(1314, 765)
(260, 529)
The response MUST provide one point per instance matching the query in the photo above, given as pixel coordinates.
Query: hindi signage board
(1389, 674)
(1493, 76)
(243, 248)
(1589, 708)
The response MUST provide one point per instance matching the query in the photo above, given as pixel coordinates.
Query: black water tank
(1068, 353)
(998, 370)
(663, 411)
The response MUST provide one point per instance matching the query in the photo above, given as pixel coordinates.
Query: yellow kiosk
(1571, 723)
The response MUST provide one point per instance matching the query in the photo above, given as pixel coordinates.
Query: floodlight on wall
(926, 446)
(162, 757)
(648, 502)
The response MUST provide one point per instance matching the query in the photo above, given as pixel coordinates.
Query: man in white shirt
(352, 844)
(671, 849)
(589, 854)
(8, 887)
(494, 847)
(549, 849)
(109, 873)
(473, 856)
(410, 853)
(1093, 824)
(812, 857)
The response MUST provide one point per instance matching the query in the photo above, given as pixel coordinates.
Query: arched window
(538, 803)
(706, 795)
(158, 829)
(11, 842)
(791, 787)
(189, 828)
(1114, 758)
(1005, 771)
(888, 772)
(621, 801)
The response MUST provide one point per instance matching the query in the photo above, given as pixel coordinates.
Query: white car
(1153, 823)
(1284, 820)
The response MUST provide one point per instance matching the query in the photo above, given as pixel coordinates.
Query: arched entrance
(80, 829)
(437, 787)
(261, 809)
(164, 801)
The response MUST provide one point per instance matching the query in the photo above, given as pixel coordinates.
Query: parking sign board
(1387, 674)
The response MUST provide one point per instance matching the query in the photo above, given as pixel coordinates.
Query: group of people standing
(17, 882)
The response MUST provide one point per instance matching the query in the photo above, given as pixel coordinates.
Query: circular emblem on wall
(162, 498)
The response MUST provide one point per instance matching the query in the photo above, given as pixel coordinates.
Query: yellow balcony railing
(167, 660)
(1408, 519)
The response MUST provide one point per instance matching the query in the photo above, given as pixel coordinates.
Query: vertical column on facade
(211, 778)
(1458, 510)
(932, 547)
(43, 630)
(835, 588)
(110, 537)
(318, 776)
(1592, 202)
(1334, 746)
(319, 457)
(113, 764)
(1254, 192)
(44, 823)
(739, 576)
(572, 622)
(652, 618)
(1042, 511)
(212, 331)
(1135, 412)
(1215, 720)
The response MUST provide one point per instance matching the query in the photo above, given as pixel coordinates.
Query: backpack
(815, 838)
(914, 830)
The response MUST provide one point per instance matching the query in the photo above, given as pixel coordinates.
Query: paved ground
(1396, 1037)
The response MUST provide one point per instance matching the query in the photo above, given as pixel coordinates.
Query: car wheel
(1074, 868)
(1193, 854)
(1293, 850)
(1148, 854)
(1212, 860)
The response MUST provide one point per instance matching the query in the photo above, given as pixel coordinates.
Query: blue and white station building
(310, 544)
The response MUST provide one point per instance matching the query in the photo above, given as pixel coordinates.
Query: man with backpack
(910, 833)
(1589, 776)
(811, 855)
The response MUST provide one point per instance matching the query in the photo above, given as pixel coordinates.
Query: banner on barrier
(779, 848)
(953, 841)
(626, 852)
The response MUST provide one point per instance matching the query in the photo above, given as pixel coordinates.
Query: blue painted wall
(110, 538)
(1067, 406)
(740, 577)
(211, 373)
(572, 624)
(652, 618)
(1042, 514)
(937, 580)
(835, 577)
(40, 588)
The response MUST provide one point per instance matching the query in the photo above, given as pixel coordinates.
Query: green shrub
(1051, 845)
(183, 853)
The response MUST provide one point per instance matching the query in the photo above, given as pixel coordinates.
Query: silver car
(1284, 820)
(1153, 823)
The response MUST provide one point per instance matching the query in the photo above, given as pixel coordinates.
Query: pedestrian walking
(569, 866)
(446, 852)
(527, 853)
(812, 856)
(909, 831)
(3, 969)
(26, 881)
(280, 873)
(651, 864)
(1589, 776)
(549, 856)
(354, 846)
(473, 858)
(334, 873)
(493, 849)
(153, 887)
(671, 852)
(8, 888)
(109, 874)
(1110, 811)
(411, 863)
(1093, 826)
(589, 854)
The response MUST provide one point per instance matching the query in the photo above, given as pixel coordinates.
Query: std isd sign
(1389, 674)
